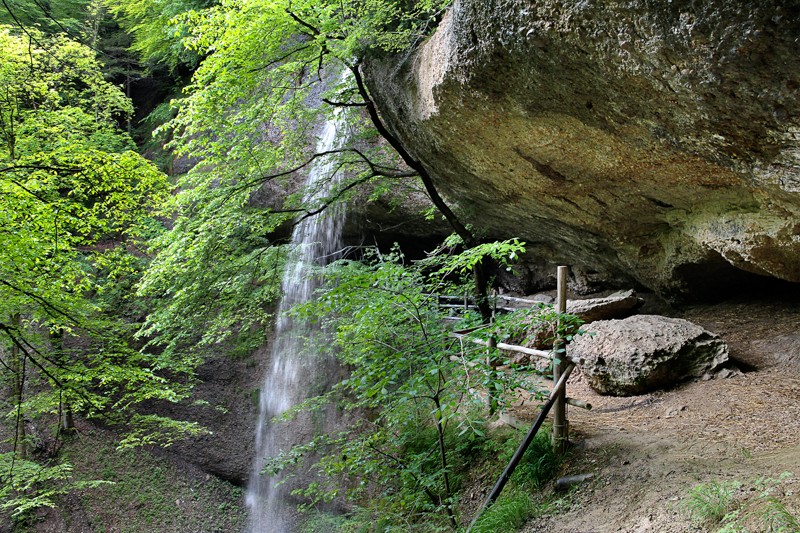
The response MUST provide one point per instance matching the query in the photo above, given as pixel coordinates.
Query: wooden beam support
(579, 403)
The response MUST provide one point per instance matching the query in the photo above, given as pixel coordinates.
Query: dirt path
(646, 452)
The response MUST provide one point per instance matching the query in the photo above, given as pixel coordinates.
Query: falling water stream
(293, 365)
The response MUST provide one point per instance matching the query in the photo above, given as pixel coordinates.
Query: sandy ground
(646, 452)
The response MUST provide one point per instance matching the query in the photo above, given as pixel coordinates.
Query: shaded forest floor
(150, 491)
(648, 452)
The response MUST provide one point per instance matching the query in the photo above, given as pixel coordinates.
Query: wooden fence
(563, 364)
(558, 356)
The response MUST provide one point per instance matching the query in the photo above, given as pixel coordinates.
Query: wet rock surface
(228, 391)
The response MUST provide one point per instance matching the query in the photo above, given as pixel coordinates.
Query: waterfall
(294, 369)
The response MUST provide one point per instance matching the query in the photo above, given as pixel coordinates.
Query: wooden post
(560, 424)
(493, 362)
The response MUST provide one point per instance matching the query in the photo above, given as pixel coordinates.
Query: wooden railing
(560, 423)
(563, 364)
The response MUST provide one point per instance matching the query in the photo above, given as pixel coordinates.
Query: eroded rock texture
(644, 353)
(618, 305)
(658, 141)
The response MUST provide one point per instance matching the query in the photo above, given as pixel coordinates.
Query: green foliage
(504, 253)
(87, 22)
(315, 522)
(778, 518)
(417, 395)
(539, 464)
(389, 335)
(72, 200)
(27, 485)
(734, 507)
(157, 35)
(249, 114)
(540, 323)
(75, 204)
(709, 503)
(49, 16)
(215, 277)
(508, 514)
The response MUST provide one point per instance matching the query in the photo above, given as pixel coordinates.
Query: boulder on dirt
(618, 305)
(643, 353)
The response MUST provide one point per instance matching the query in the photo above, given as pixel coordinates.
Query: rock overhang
(640, 138)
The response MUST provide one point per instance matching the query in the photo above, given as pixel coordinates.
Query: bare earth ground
(646, 452)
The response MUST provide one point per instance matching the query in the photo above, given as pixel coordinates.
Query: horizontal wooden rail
(543, 354)
(574, 402)
(474, 307)
(497, 297)
(521, 301)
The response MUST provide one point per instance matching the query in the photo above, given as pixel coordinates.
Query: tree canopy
(84, 211)
(269, 72)
(156, 33)
(76, 200)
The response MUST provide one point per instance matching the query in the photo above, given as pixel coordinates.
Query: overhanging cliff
(654, 140)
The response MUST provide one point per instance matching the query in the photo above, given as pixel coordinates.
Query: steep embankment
(658, 141)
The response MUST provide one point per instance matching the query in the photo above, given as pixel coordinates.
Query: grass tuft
(727, 507)
(709, 503)
(507, 514)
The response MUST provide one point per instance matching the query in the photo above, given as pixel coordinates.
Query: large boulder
(654, 141)
(645, 353)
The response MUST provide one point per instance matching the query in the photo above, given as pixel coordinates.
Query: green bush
(417, 396)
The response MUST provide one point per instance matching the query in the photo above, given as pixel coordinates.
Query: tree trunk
(443, 458)
(67, 418)
(17, 366)
(480, 272)
(65, 410)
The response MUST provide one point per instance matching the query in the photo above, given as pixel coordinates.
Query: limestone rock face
(645, 353)
(618, 305)
(653, 141)
(227, 383)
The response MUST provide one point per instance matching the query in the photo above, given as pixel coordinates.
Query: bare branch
(339, 194)
(462, 231)
(50, 309)
(29, 350)
(312, 30)
(279, 59)
(344, 104)
(376, 169)
(12, 168)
